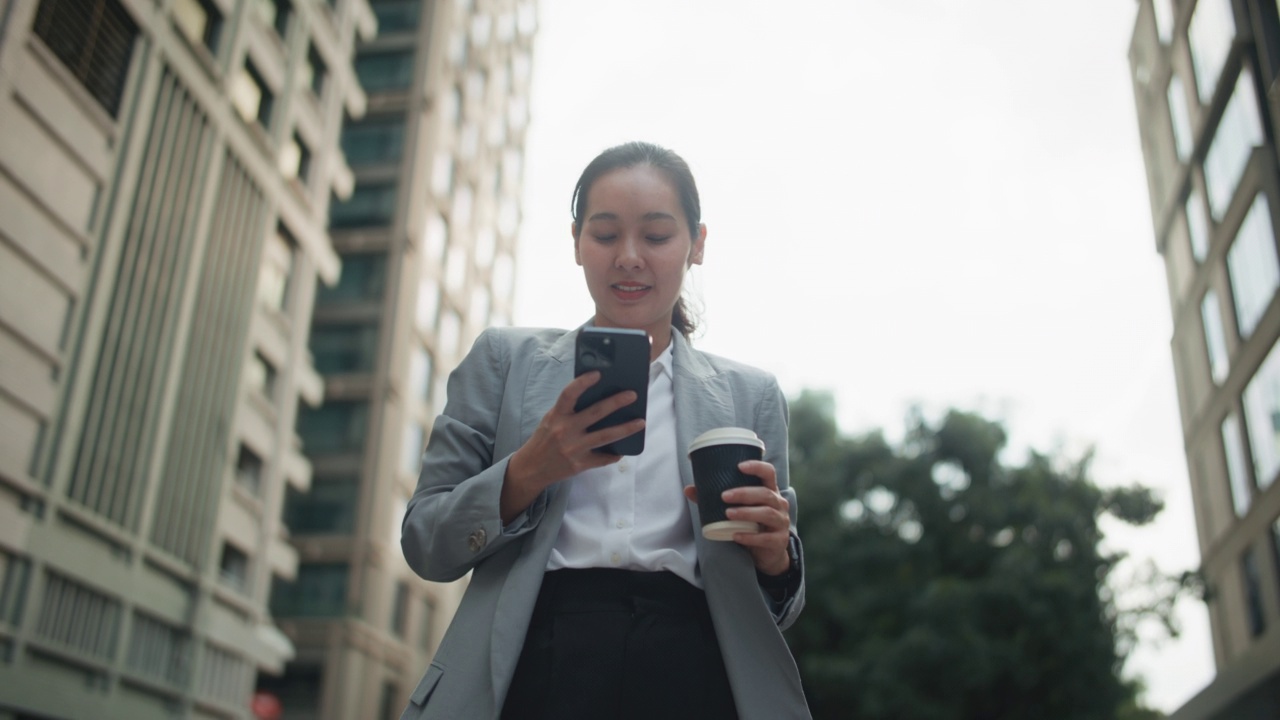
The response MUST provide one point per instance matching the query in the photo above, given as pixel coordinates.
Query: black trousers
(607, 643)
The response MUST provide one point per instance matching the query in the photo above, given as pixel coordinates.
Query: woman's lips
(630, 291)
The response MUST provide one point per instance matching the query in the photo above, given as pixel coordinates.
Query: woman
(591, 593)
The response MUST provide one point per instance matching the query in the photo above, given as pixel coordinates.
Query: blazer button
(476, 540)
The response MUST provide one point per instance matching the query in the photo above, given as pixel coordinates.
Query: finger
(763, 470)
(568, 398)
(755, 495)
(588, 416)
(769, 518)
(604, 436)
(765, 541)
(691, 493)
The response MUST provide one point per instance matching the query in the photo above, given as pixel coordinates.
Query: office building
(427, 246)
(1206, 78)
(166, 171)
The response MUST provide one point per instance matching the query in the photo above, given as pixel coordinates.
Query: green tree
(944, 585)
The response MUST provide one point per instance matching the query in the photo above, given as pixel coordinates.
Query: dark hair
(677, 171)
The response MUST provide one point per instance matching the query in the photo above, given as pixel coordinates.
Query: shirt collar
(662, 364)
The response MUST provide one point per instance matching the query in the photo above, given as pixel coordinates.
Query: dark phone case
(629, 370)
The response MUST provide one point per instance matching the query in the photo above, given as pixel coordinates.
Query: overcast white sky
(920, 201)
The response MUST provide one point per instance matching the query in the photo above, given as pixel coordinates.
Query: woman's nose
(629, 257)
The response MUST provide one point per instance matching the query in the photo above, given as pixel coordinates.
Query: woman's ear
(695, 253)
(577, 253)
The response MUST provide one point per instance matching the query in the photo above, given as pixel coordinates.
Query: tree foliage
(944, 585)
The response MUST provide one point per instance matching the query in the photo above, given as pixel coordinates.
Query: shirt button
(615, 558)
(622, 466)
(621, 524)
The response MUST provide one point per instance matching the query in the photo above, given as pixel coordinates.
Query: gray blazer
(496, 397)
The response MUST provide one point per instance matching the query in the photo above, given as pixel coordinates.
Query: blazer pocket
(426, 685)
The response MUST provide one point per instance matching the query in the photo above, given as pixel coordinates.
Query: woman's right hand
(561, 446)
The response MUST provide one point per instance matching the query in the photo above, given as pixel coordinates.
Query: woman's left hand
(765, 505)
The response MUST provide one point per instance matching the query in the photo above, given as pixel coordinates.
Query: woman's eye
(658, 238)
(606, 238)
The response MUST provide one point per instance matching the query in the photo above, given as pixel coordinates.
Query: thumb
(691, 493)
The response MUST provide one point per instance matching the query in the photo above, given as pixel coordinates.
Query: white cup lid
(726, 436)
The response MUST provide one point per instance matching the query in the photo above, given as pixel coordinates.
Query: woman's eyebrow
(647, 217)
(657, 216)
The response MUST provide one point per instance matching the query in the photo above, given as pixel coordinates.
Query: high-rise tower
(1206, 77)
(427, 244)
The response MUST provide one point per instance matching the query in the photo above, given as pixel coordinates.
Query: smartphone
(621, 356)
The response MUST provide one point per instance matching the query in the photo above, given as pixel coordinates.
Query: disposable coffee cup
(715, 455)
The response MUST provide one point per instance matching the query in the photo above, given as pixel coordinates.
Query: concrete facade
(166, 170)
(1206, 78)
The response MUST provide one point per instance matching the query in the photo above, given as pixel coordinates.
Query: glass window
(233, 567)
(370, 204)
(505, 27)
(319, 591)
(328, 508)
(384, 70)
(250, 96)
(477, 81)
(363, 278)
(14, 572)
(1164, 19)
(344, 348)
(424, 625)
(298, 689)
(389, 707)
(486, 245)
(1275, 543)
(335, 427)
(1214, 337)
(1253, 266)
(1197, 226)
(478, 313)
(1237, 472)
(442, 174)
(275, 279)
(1239, 131)
(200, 21)
(1181, 120)
(455, 268)
(450, 333)
(435, 236)
(261, 375)
(374, 140)
(400, 607)
(1253, 593)
(458, 47)
(420, 370)
(428, 306)
(249, 469)
(275, 14)
(94, 40)
(460, 212)
(1262, 418)
(314, 72)
(411, 449)
(295, 159)
(504, 273)
(396, 15)
(527, 18)
(481, 26)
(1210, 33)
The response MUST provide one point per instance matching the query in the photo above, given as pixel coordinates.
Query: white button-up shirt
(633, 514)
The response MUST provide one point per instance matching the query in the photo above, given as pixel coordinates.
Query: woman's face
(634, 247)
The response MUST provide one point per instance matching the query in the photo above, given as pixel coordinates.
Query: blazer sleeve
(452, 521)
(771, 425)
